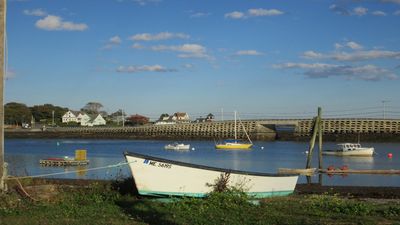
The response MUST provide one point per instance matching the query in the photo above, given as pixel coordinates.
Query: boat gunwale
(198, 166)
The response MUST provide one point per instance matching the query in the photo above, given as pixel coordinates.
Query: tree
(137, 120)
(45, 113)
(163, 116)
(16, 113)
(92, 108)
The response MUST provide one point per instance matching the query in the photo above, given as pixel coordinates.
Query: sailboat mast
(235, 126)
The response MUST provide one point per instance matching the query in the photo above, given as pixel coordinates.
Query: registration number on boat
(157, 164)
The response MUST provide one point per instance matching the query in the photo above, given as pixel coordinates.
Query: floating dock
(338, 171)
(62, 162)
(79, 160)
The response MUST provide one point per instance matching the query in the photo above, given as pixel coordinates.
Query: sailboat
(235, 143)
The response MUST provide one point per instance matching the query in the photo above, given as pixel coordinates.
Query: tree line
(18, 113)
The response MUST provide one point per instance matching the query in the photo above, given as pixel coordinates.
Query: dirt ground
(350, 191)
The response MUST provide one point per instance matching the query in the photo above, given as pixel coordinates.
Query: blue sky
(261, 58)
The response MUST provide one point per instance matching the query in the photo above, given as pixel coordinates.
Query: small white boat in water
(350, 149)
(177, 146)
(162, 177)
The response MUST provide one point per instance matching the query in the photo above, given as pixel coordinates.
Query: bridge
(265, 129)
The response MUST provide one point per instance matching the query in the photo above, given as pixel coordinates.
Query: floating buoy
(330, 168)
(306, 152)
(344, 167)
(262, 147)
(58, 143)
(389, 155)
(192, 149)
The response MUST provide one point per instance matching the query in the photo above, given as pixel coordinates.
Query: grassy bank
(114, 203)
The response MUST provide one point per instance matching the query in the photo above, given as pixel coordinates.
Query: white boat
(350, 149)
(177, 146)
(235, 143)
(162, 177)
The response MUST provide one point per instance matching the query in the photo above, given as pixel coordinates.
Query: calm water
(23, 157)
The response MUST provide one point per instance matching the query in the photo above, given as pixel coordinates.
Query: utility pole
(123, 118)
(384, 109)
(53, 118)
(3, 11)
(222, 114)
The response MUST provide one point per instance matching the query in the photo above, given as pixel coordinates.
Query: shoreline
(280, 136)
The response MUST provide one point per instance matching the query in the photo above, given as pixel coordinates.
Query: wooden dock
(349, 171)
(62, 162)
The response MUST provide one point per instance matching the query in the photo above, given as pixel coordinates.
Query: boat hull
(161, 177)
(359, 152)
(177, 147)
(233, 146)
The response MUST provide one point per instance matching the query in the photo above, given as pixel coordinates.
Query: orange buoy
(344, 167)
(389, 155)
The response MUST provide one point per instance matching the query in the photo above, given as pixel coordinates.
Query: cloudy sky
(261, 58)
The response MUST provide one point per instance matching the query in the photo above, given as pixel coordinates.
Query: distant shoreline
(37, 134)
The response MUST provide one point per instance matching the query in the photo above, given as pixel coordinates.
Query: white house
(69, 117)
(181, 117)
(97, 121)
(178, 117)
(83, 118)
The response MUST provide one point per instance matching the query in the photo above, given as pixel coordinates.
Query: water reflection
(23, 157)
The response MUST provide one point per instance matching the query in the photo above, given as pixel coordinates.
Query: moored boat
(235, 143)
(350, 149)
(177, 146)
(162, 177)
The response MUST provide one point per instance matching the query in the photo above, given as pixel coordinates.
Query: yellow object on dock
(80, 155)
(80, 159)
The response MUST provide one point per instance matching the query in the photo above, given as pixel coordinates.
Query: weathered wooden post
(312, 141)
(320, 138)
(2, 75)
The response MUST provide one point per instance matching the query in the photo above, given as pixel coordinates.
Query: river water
(23, 157)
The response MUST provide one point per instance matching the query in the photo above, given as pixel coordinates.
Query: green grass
(114, 204)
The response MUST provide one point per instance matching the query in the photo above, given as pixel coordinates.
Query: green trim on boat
(201, 195)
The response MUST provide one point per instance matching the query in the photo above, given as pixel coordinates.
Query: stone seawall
(214, 130)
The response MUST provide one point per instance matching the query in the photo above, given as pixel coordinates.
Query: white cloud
(353, 45)
(188, 66)
(158, 37)
(145, 2)
(253, 13)
(115, 40)
(365, 55)
(312, 55)
(52, 22)
(199, 14)
(264, 12)
(248, 52)
(144, 68)
(235, 15)
(137, 46)
(397, 13)
(360, 11)
(353, 56)
(320, 70)
(338, 46)
(35, 12)
(339, 9)
(186, 50)
(378, 13)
